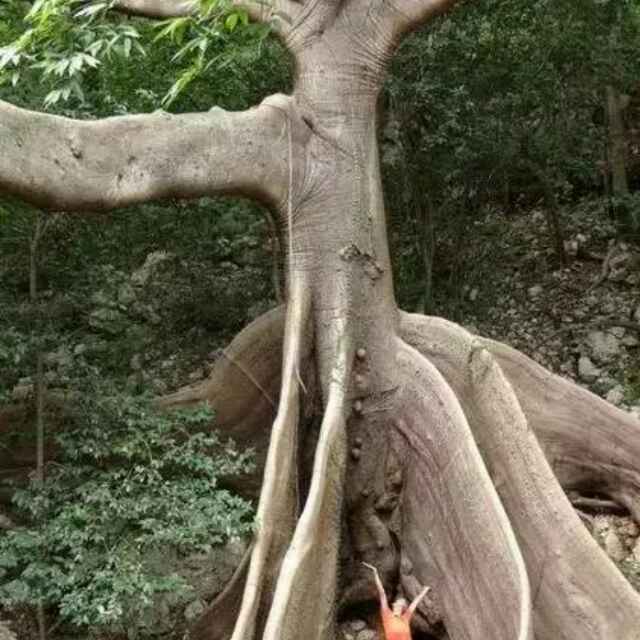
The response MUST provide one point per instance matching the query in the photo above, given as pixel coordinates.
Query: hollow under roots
(453, 478)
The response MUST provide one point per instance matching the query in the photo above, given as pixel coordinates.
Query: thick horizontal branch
(159, 9)
(280, 13)
(63, 164)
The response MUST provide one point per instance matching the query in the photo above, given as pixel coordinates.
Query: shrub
(128, 483)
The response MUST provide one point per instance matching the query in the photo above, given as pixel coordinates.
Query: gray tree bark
(422, 455)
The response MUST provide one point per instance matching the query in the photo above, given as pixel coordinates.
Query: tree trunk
(617, 150)
(398, 441)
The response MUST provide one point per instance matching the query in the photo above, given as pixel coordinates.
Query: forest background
(511, 157)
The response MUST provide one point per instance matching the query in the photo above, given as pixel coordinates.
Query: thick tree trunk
(423, 457)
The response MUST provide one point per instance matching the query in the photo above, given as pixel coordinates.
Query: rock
(357, 625)
(535, 291)
(5, 633)
(636, 551)
(605, 347)
(194, 610)
(126, 295)
(571, 248)
(630, 341)
(629, 528)
(21, 392)
(473, 294)
(636, 314)
(6, 523)
(61, 357)
(587, 371)
(108, 321)
(614, 547)
(141, 276)
(601, 524)
(367, 634)
(80, 349)
(615, 396)
(538, 217)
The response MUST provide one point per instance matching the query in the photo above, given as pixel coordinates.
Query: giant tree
(438, 456)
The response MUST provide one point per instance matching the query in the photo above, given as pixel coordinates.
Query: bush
(128, 483)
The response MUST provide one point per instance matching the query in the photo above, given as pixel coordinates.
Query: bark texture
(397, 440)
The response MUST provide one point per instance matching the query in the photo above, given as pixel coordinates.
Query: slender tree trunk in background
(617, 142)
(552, 212)
(427, 243)
(423, 453)
(41, 222)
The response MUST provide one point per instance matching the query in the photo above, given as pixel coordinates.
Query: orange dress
(396, 627)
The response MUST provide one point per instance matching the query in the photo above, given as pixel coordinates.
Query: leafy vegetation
(126, 482)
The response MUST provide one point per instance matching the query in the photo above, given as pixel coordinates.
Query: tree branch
(280, 13)
(63, 164)
(159, 9)
(405, 15)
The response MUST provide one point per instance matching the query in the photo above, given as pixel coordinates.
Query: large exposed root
(243, 388)
(591, 445)
(577, 592)
(278, 508)
(219, 619)
(304, 601)
(454, 527)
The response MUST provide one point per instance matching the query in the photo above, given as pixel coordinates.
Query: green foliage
(64, 42)
(127, 481)
(498, 102)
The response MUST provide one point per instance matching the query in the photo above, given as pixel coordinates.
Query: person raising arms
(395, 620)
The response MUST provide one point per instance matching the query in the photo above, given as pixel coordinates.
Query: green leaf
(231, 22)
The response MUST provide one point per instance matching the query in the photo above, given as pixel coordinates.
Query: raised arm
(416, 601)
(384, 604)
(64, 164)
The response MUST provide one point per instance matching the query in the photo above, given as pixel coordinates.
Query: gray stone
(636, 551)
(108, 321)
(615, 396)
(21, 392)
(357, 625)
(367, 634)
(614, 547)
(141, 276)
(535, 291)
(605, 346)
(587, 371)
(79, 349)
(5, 633)
(194, 610)
(126, 294)
(473, 294)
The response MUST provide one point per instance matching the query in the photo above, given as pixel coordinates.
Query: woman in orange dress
(395, 620)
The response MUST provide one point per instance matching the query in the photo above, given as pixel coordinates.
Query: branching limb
(577, 591)
(279, 13)
(158, 9)
(454, 529)
(64, 164)
(401, 16)
(278, 507)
